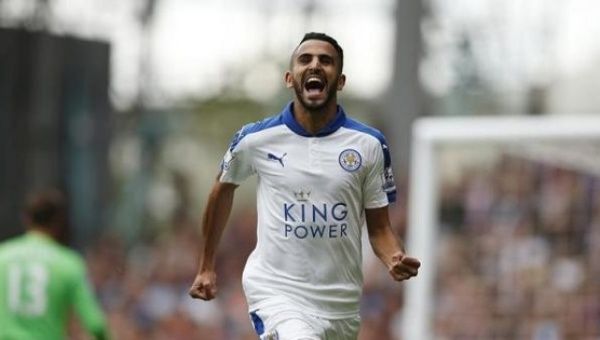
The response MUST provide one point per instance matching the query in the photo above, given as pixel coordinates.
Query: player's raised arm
(387, 247)
(214, 220)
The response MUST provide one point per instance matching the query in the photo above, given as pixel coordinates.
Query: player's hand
(204, 286)
(403, 267)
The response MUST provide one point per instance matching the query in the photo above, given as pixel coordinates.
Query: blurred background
(128, 106)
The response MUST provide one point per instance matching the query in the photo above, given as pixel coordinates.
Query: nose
(315, 63)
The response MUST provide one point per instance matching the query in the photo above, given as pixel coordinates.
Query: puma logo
(272, 157)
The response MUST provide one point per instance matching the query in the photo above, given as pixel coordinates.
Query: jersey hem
(304, 309)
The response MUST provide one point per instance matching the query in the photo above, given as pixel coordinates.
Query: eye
(304, 58)
(326, 60)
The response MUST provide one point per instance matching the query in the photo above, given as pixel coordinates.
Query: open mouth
(314, 85)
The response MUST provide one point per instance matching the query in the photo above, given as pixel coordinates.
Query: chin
(313, 106)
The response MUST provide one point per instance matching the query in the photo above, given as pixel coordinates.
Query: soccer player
(41, 281)
(321, 176)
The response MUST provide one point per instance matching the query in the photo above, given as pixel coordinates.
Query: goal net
(504, 214)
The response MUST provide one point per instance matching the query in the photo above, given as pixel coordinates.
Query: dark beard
(312, 107)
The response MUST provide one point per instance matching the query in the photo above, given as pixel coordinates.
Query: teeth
(313, 79)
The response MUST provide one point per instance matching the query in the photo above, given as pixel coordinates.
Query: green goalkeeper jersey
(41, 283)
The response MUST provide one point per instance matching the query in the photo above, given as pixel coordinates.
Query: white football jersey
(311, 195)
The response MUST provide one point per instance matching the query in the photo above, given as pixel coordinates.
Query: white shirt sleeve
(379, 189)
(237, 163)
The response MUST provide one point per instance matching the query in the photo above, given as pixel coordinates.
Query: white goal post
(428, 135)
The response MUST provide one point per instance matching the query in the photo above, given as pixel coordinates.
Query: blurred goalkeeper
(321, 176)
(43, 282)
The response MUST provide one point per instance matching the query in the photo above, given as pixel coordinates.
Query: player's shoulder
(63, 254)
(359, 127)
(263, 124)
(6, 246)
(42, 249)
(6, 243)
(70, 262)
(70, 255)
(256, 128)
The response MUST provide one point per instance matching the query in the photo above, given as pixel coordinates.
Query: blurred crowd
(518, 258)
(519, 254)
(143, 287)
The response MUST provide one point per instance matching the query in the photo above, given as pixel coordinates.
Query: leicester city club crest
(350, 160)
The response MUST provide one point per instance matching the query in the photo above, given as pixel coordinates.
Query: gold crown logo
(302, 195)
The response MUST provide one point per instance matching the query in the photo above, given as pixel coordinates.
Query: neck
(313, 121)
(40, 230)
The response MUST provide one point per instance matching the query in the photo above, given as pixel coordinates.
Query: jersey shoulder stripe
(254, 127)
(389, 186)
(354, 124)
(364, 128)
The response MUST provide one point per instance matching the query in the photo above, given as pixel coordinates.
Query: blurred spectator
(518, 267)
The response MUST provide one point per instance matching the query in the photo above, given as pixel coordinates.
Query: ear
(288, 79)
(341, 82)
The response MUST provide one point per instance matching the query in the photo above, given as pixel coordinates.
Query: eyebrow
(318, 55)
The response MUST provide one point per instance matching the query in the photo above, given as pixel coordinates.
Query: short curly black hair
(326, 38)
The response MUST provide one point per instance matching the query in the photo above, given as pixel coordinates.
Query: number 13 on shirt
(27, 288)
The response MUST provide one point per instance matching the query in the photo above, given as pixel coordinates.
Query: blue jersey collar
(290, 121)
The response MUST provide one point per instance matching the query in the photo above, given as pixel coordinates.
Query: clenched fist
(403, 267)
(204, 286)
